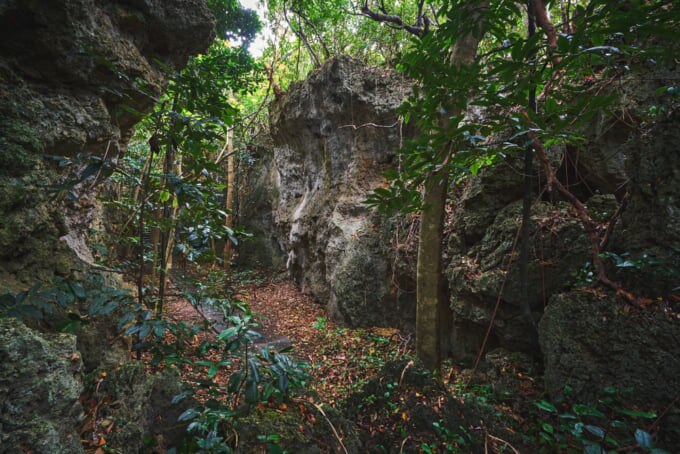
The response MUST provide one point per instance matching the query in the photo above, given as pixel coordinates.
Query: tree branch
(543, 21)
(301, 35)
(589, 224)
(420, 29)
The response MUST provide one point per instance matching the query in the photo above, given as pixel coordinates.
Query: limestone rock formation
(74, 77)
(139, 405)
(479, 271)
(614, 159)
(590, 342)
(649, 231)
(40, 389)
(332, 135)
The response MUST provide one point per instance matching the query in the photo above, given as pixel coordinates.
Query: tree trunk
(525, 305)
(146, 173)
(430, 281)
(167, 216)
(431, 302)
(229, 205)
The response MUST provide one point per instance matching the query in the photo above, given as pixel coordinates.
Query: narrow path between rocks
(340, 359)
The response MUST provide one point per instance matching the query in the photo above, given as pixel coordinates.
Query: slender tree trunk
(429, 277)
(153, 150)
(525, 305)
(229, 205)
(431, 302)
(136, 195)
(301, 36)
(155, 245)
(543, 20)
(167, 225)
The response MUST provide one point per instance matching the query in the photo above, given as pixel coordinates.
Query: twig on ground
(335, 432)
(497, 439)
(403, 372)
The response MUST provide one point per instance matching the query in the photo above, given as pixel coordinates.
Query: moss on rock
(39, 390)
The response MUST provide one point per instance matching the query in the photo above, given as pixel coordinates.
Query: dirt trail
(286, 315)
(339, 358)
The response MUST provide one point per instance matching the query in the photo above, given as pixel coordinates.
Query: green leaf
(144, 331)
(546, 406)
(590, 447)
(595, 430)
(181, 396)
(77, 290)
(643, 439)
(563, 44)
(164, 196)
(251, 393)
(637, 414)
(587, 410)
(190, 413)
(159, 330)
(228, 333)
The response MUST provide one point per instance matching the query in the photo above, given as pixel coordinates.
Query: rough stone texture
(478, 268)
(40, 410)
(326, 158)
(101, 345)
(75, 76)
(590, 342)
(650, 224)
(258, 181)
(70, 71)
(141, 405)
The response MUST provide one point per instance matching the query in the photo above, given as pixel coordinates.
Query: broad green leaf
(587, 410)
(546, 406)
(595, 430)
(78, 290)
(643, 438)
(188, 414)
(164, 196)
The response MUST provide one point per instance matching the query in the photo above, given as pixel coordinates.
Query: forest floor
(365, 378)
(363, 389)
(339, 359)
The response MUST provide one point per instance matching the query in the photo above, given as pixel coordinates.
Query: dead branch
(612, 221)
(589, 224)
(373, 125)
(335, 432)
(499, 440)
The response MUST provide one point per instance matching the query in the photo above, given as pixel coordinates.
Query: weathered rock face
(590, 342)
(649, 230)
(332, 135)
(72, 75)
(75, 76)
(139, 405)
(40, 389)
(307, 206)
(616, 158)
(480, 271)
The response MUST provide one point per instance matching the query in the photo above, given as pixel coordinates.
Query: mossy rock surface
(139, 404)
(405, 408)
(40, 410)
(301, 428)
